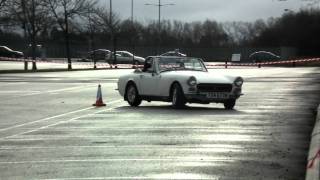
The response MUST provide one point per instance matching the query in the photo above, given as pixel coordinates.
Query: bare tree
(2, 6)
(33, 16)
(64, 11)
(109, 22)
(239, 32)
(2, 3)
(91, 27)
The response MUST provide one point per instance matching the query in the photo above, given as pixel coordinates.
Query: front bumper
(217, 97)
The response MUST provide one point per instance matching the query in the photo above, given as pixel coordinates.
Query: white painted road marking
(60, 122)
(53, 117)
(185, 159)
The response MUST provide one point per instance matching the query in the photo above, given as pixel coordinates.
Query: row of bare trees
(85, 17)
(37, 17)
(85, 21)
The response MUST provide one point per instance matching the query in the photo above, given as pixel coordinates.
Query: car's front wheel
(229, 104)
(178, 99)
(132, 95)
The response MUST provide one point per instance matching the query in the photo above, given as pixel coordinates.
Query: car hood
(139, 58)
(18, 52)
(202, 77)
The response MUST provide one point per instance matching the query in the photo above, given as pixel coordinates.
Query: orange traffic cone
(99, 101)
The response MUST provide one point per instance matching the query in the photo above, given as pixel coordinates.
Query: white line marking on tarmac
(101, 178)
(45, 119)
(138, 178)
(12, 83)
(58, 90)
(71, 88)
(221, 138)
(203, 146)
(60, 122)
(53, 117)
(185, 159)
(14, 92)
(240, 129)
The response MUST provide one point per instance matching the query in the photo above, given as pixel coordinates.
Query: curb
(313, 167)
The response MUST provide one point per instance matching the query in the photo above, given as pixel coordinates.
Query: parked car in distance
(125, 57)
(99, 55)
(174, 53)
(179, 80)
(7, 52)
(262, 56)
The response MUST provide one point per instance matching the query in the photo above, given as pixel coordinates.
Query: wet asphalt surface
(49, 130)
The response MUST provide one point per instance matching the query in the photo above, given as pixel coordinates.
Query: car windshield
(174, 64)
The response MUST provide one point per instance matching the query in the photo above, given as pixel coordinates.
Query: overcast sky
(200, 10)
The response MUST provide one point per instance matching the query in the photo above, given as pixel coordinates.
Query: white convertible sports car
(179, 80)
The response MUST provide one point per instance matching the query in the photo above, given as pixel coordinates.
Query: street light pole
(159, 5)
(132, 11)
(110, 12)
(159, 25)
(113, 35)
(132, 36)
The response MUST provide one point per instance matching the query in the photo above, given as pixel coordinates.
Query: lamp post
(132, 11)
(110, 12)
(159, 5)
(132, 36)
(113, 35)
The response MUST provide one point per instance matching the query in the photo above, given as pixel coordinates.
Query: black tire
(229, 104)
(177, 97)
(132, 95)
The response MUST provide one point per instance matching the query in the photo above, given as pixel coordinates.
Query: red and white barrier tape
(312, 161)
(266, 63)
(208, 64)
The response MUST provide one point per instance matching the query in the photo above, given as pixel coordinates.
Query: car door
(128, 58)
(120, 58)
(149, 80)
(98, 55)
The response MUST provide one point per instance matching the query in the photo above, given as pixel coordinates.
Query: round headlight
(192, 81)
(238, 82)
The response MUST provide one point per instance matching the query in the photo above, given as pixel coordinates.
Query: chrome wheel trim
(131, 94)
(174, 96)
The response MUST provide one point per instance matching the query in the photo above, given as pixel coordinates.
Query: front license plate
(217, 95)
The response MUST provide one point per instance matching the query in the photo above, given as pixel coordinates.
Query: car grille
(214, 87)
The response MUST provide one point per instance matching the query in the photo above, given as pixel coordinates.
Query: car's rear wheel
(229, 104)
(132, 95)
(178, 99)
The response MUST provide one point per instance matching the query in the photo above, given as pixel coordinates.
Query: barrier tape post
(25, 65)
(226, 64)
